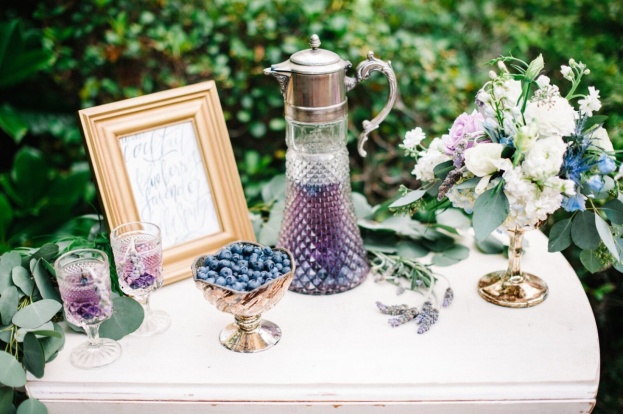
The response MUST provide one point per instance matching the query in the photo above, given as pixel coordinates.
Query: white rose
(545, 158)
(513, 90)
(483, 159)
(554, 117)
(601, 139)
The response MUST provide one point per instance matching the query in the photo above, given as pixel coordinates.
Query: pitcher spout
(282, 77)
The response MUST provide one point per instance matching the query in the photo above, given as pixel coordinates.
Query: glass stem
(93, 333)
(144, 301)
(515, 250)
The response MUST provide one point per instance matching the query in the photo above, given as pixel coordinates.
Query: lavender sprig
(448, 297)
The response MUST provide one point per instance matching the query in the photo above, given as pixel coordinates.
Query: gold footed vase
(513, 288)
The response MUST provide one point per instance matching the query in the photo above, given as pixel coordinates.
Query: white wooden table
(338, 354)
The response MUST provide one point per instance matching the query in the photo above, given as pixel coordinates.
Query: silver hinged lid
(313, 61)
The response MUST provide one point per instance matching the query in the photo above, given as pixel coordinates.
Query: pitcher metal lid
(314, 61)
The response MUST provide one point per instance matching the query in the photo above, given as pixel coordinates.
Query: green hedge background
(58, 56)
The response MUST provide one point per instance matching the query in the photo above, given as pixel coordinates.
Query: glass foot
(155, 322)
(88, 356)
(265, 336)
(518, 292)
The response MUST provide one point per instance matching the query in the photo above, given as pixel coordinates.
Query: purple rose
(465, 127)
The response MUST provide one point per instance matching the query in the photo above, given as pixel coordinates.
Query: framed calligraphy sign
(166, 158)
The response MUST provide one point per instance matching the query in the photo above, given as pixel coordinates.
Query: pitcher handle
(362, 73)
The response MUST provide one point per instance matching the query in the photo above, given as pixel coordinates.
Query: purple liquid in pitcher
(320, 230)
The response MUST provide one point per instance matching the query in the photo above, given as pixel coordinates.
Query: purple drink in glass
(86, 298)
(138, 259)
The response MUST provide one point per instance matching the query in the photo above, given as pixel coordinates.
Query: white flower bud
(542, 81)
(502, 66)
(566, 71)
(587, 72)
(492, 74)
(572, 62)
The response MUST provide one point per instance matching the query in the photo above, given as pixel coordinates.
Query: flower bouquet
(523, 154)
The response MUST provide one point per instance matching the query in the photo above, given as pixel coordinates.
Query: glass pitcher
(319, 225)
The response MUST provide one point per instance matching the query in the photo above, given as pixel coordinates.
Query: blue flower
(574, 203)
(595, 183)
(575, 164)
(606, 164)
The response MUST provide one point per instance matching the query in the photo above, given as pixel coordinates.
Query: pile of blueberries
(244, 267)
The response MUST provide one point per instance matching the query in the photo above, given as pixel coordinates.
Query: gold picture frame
(166, 158)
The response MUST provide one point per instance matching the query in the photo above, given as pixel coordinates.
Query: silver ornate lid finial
(314, 42)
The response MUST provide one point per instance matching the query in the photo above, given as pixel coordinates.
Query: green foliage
(490, 211)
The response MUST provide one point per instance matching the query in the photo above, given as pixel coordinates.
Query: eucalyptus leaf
(361, 205)
(584, 231)
(490, 245)
(12, 374)
(453, 217)
(32, 406)
(410, 250)
(6, 400)
(467, 184)
(275, 189)
(126, 317)
(458, 252)
(590, 261)
(37, 313)
(22, 279)
(51, 345)
(440, 260)
(410, 198)
(47, 252)
(5, 333)
(594, 120)
(442, 170)
(614, 211)
(269, 234)
(7, 262)
(606, 236)
(34, 359)
(384, 243)
(9, 301)
(43, 281)
(490, 211)
(559, 236)
(21, 332)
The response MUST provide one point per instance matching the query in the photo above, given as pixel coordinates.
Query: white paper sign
(169, 182)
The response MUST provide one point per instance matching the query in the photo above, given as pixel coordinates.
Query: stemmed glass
(137, 248)
(84, 280)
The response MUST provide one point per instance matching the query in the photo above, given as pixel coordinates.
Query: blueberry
(212, 274)
(278, 266)
(235, 268)
(257, 250)
(243, 278)
(210, 280)
(264, 274)
(248, 249)
(237, 286)
(274, 271)
(224, 263)
(267, 251)
(220, 281)
(235, 257)
(213, 264)
(208, 259)
(236, 249)
(285, 270)
(254, 257)
(230, 280)
(252, 284)
(202, 276)
(257, 274)
(244, 285)
(277, 257)
(225, 254)
(286, 262)
(269, 279)
(269, 264)
(243, 263)
(244, 270)
(202, 269)
(225, 272)
(260, 281)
